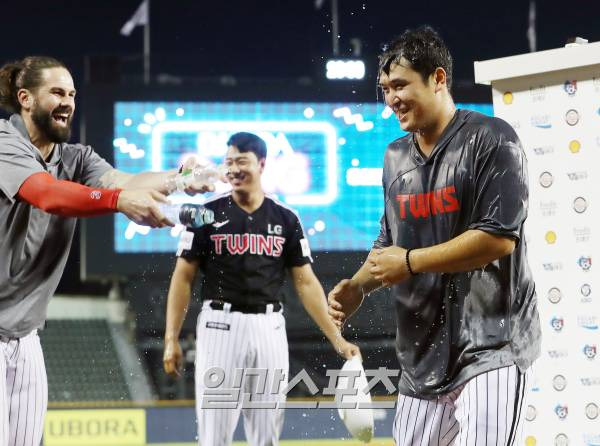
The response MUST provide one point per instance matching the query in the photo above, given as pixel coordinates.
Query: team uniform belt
(242, 308)
(7, 339)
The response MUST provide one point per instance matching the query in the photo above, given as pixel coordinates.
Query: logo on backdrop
(591, 439)
(561, 440)
(557, 323)
(574, 146)
(588, 322)
(576, 176)
(585, 291)
(537, 94)
(589, 350)
(546, 179)
(559, 383)
(590, 381)
(543, 150)
(531, 413)
(554, 295)
(541, 121)
(580, 205)
(550, 237)
(570, 87)
(572, 117)
(557, 354)
(591, 411)
(561, 411)
(582, 235)
(548, 208)
(552, 266)
(585, 263)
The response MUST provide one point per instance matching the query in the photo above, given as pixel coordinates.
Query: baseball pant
(23, 391)
(228, 343)
(487, 410)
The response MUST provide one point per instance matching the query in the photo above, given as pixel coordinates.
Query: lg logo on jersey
(439, 201)
(276, 229)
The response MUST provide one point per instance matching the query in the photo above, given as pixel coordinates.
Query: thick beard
(45, 123)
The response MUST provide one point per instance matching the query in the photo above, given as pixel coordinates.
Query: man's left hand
(388, 265)
(196, 187)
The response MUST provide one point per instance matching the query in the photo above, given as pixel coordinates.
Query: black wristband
(412, 273)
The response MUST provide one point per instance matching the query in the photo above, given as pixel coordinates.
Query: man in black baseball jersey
(243, 257)
(452, 248)
(45, 183)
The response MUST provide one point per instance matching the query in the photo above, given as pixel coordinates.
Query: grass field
(374, 442)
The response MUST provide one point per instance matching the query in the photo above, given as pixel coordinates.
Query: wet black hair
(249, 142)
(423, 48)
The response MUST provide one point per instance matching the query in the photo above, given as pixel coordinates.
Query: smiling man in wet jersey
(243, 258)
(452, 248)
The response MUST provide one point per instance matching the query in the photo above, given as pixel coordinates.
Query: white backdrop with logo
(552, 99)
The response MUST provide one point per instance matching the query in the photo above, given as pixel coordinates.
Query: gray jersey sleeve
(17, 163)
(94, 166)
(384, 239)
(501, 188)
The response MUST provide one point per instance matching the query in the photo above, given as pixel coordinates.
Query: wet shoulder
(489, 127)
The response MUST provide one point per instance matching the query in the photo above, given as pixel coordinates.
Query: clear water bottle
(188, 214)
(199, 174)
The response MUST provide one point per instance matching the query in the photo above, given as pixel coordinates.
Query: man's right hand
(141, 206)
(173, 358)
(344, 300)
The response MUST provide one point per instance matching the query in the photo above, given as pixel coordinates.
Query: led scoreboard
(324, 160)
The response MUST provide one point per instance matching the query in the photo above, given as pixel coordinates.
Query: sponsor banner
(124, 427)
(557, 118)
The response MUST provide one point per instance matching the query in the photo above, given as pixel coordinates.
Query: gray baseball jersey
(34, 245)
(452, 327)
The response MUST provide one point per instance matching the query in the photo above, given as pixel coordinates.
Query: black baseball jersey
(244, 256)
(452, 327)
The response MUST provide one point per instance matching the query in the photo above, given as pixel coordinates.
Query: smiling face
(244, 170)
(412, 99)
(52, 104)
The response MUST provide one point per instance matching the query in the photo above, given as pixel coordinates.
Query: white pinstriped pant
(234, 340)
(23, 391)
(486, 411)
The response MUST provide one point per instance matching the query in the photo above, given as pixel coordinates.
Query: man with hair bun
(45, 184)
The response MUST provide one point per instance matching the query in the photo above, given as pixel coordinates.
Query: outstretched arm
(312, 296)
(70, 199)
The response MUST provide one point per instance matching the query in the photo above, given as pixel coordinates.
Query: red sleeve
(67, 198)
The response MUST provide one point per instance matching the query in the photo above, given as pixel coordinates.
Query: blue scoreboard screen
(324, 160)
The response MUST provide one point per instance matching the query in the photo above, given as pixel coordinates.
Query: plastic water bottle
(199, 174)
(188, 214)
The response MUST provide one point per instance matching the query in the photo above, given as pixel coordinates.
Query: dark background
(275, 50)
(270, 38)
(195, 43)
